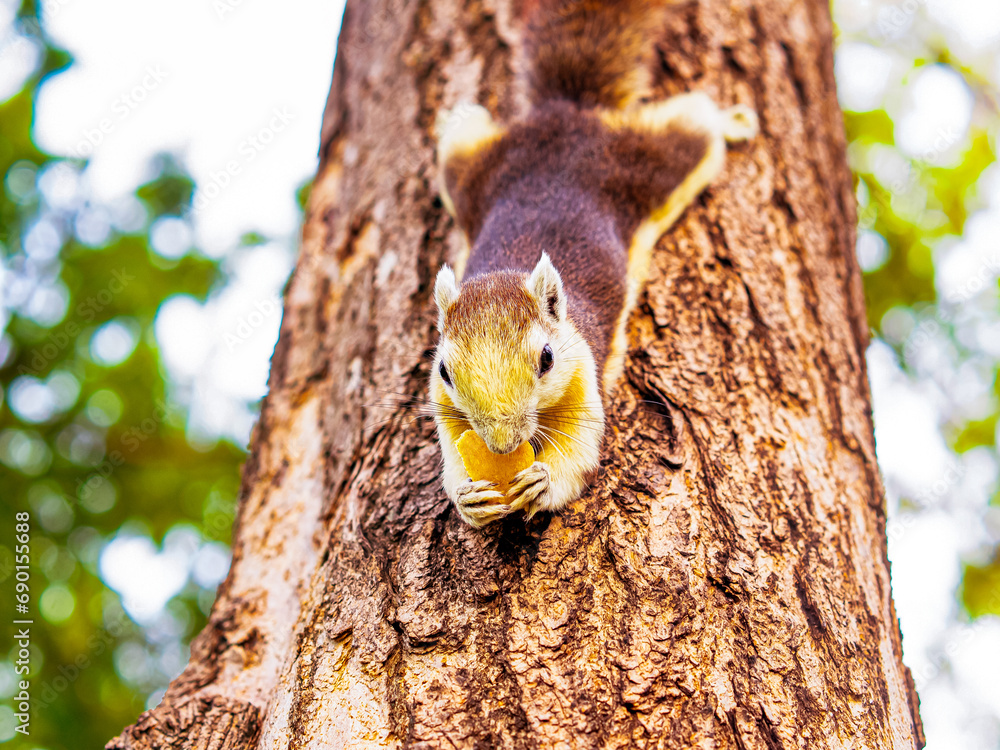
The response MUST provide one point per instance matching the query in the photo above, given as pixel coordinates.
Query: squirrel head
(507, 349)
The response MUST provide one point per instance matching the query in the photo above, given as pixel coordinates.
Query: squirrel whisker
(543, 432)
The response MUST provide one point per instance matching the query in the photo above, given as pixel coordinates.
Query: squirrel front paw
(530, 489)
(479, 503)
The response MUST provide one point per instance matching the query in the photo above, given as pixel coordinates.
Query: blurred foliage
(980, 588)
(91, 441)
(913, 218)
(906, 279)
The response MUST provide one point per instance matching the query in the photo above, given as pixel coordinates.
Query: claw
(482, 484)
(529, 485)
(479, 504)
(476, 499)
(481, 516)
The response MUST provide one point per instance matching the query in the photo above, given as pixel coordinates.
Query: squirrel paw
(530, 488)
(739, 123)
(479, 503)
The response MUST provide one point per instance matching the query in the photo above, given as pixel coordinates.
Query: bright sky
(222, 82)
(238, 88)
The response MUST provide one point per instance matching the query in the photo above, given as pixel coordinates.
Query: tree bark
(724, 582)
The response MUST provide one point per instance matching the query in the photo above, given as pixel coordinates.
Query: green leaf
(869, 127)
(981, 588)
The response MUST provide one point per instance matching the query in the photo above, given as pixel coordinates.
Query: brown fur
(591, 52)
(497, 303)
(562, 211)
(563, 183)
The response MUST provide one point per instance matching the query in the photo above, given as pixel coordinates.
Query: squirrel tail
(593, 52)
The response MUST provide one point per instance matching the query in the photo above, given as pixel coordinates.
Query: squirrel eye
(444, 374)
(546, 360)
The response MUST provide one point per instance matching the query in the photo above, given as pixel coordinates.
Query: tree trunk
(724, 582)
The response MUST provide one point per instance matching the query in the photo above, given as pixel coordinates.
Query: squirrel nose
(500, 448)
(501, 439)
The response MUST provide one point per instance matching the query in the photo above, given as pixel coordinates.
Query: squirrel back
(561, 210)
(597, 54)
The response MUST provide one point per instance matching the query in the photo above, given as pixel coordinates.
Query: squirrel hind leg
(693, 111)
(739, 123)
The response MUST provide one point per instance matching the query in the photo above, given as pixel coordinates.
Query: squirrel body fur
(561, 211)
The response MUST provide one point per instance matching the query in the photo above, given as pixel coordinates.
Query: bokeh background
(155, 157)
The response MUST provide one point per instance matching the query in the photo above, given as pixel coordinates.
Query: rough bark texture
(724, 583)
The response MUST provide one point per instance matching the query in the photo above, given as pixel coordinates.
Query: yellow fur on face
(495, 382)
(492, 337)
(490, 345)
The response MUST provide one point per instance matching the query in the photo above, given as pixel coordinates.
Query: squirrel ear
(545, 285)
(445, 293)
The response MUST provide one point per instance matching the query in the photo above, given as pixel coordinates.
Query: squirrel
(561, 211)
